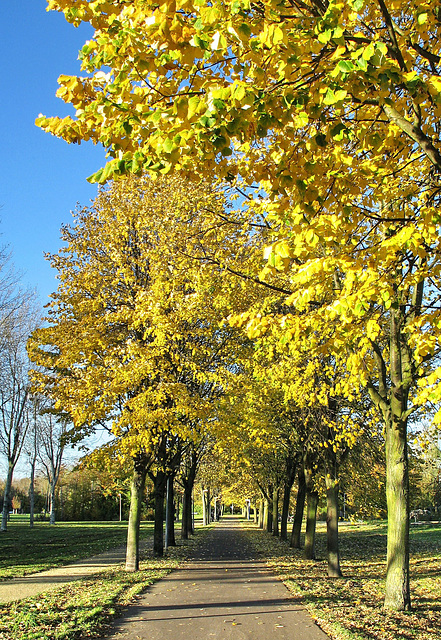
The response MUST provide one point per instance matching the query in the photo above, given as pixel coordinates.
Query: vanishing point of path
(224, 593)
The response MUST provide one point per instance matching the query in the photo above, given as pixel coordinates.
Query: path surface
(35, 583)
(225, 593)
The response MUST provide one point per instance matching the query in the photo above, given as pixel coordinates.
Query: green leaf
(320, 140)
(244, 29)
(169, 145)
(362, 63)
(332, 97)
(346, 66)
(338, 131)
(368, 51)
(193, 105)
(325, 36)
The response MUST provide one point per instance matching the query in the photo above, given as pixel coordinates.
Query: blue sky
(41, 177)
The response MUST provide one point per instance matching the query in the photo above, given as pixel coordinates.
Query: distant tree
(53, 439)
(15, 407)
(31, 448)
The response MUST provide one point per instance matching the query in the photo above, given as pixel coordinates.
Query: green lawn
(351, 608)
(24, 550)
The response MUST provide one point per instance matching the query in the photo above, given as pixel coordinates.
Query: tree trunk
(265, 523)
(7, 498)
(332, 486)
(270, 510)
(334, 570)
(32, 496)
(311, 519)
(276, 512)
(52, 502)
(394, 405)
(170, 514)
(187, 520)
(300, 506)
(206, 506)
(158, 532)
(291, 466)
(397, 595)
(187, 500)
(311, 515)
(261, 513)
(136, 497)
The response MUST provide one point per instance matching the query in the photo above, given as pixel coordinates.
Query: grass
(86, 608)
(351, 608)
(24, 550)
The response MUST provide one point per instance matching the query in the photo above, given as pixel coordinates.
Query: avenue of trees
(323, 118)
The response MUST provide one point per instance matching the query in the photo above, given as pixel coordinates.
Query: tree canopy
(325, 114)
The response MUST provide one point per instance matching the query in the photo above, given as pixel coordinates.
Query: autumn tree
(332, 110)
(133, 341)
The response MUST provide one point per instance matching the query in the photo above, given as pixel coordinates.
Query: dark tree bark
(291, 466)
(333, 551)
(170, 512)
(159, 482)
(300, 506)
(187, 481)
(332, 486)
(312, 498)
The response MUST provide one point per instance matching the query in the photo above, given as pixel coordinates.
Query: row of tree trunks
(268, 511)
(163, 478)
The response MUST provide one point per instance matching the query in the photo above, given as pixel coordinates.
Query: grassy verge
(85, 608)
(24, 550)
(351, 608)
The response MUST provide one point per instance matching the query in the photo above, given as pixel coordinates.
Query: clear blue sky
(41, 177)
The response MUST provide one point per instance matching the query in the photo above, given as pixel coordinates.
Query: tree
(14, 393)
(31, 449)
(228, 74)
(133, 341)
(53, 440)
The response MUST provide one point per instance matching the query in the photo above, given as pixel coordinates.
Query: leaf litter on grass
(351, 608)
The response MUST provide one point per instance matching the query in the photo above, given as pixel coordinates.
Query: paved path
(225, 593)
(35, 583)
